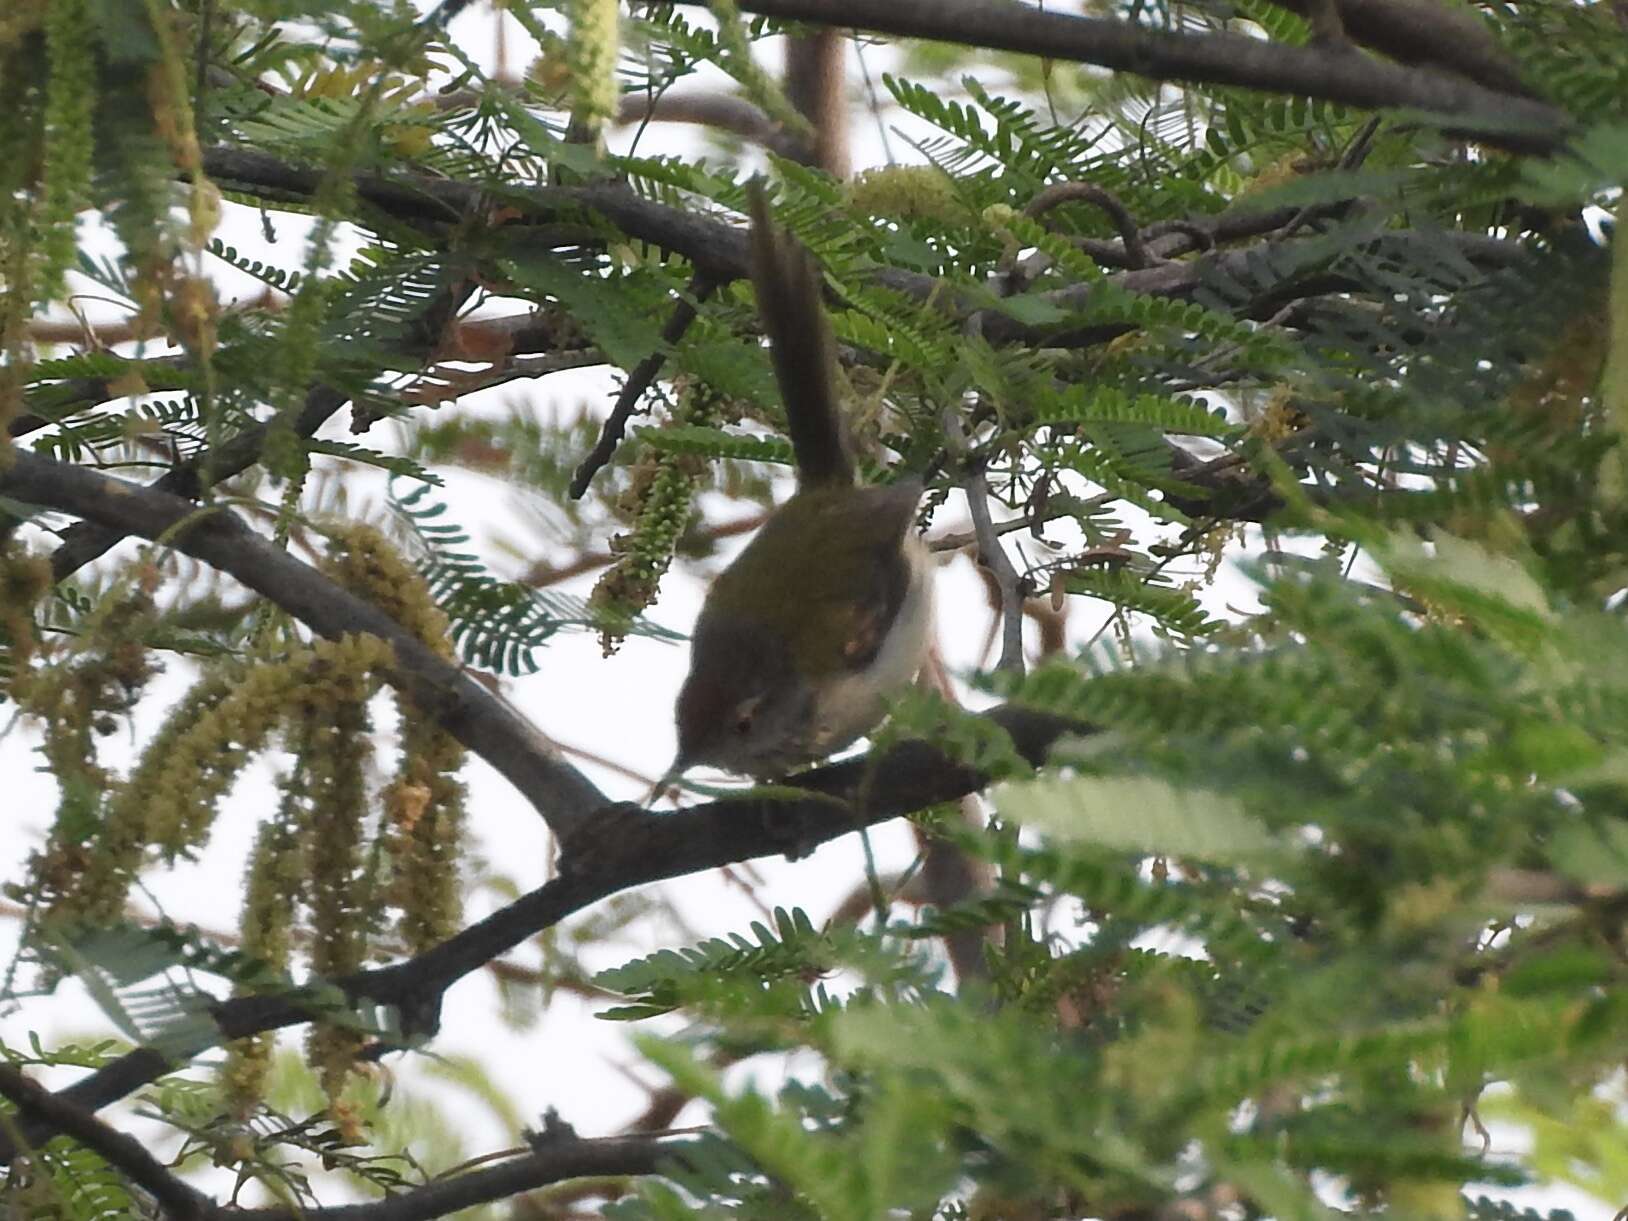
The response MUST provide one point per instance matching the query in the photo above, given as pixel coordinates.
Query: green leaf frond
(497, 625)
(790, 952)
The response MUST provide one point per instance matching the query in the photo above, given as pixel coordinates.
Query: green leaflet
(1141, 815)
(496, 624)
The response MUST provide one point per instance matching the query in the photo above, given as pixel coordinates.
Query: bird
(827, 612)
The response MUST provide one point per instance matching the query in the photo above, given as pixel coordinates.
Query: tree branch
(1181, 280)
(720, 111)
(91, 539)
(716, 249)
(123, 1152)
(1426, 33)
(88, 391)
(1508, 120)
(485, 724)
(622, 847)
(719, 250)
(551, 1160)
(1130, 235)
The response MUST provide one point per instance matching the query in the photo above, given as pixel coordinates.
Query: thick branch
(720, 250)
(482, 722)
(551, 1160)
(121, 1151)
(1416, 32)
(1333, 74)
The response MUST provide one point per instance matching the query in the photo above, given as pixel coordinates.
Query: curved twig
(728, 112)
(553, 1157)
(1136, 252)
(553, 1161)
(993, 557)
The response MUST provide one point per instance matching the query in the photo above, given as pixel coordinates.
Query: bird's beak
(668, 778)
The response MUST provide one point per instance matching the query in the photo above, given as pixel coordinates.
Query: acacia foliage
(1326, 886)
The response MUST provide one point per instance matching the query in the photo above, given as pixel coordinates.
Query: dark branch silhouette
(556, 1155)
(1495, 116)
(620, 848)
(51, 1114)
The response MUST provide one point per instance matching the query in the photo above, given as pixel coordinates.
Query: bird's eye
(745, 712)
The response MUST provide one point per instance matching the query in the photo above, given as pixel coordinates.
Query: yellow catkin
(366, 563)
(78, 699)
(22, 152)
(273, 884)
(25, 578)
(424, 810)
(333, 746)
(424, 803)
(115, 853)
(169, 803)
(1279, 417)
(595, 42)
(663, 485)
(908, 192)
(70, 100)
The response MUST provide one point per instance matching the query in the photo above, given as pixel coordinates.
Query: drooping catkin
(664, 484)
(424, 801)
(592, 48)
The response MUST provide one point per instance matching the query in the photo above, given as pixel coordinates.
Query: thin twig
(993, 556)
(543, 574)
(1354, 155)
(1072, 508)
(638, 381)
(990, 553)
(439, 384)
